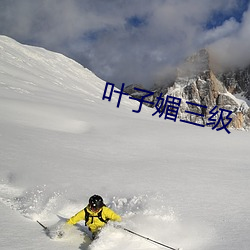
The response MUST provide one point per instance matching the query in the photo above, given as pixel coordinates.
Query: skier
(95, 214)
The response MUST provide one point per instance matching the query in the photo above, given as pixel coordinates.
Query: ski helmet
(95, 202)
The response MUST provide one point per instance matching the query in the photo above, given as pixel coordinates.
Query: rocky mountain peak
(197, 64)
(196, 82)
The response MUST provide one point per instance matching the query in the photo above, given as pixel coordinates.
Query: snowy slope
(179, 184)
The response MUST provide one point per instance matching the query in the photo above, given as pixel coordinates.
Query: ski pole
(146, 238)
(45, 228)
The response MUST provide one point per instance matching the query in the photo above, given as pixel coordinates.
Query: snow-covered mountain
(176, 183)
(198, 81)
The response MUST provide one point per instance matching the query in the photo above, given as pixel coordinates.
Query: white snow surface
(176, 183)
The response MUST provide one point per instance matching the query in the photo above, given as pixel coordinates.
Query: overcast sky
(131, 41)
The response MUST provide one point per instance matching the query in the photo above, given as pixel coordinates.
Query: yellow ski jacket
(94, 223)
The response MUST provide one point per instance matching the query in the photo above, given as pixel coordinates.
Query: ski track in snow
(145, 214)
(42, 116)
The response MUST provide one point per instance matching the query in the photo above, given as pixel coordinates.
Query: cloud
(124, 41)
(228, 28)
(233, 49)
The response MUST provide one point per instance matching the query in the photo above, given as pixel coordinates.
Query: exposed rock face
(197, 83)
(131, 90)
(238, 120)
(237, 81)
